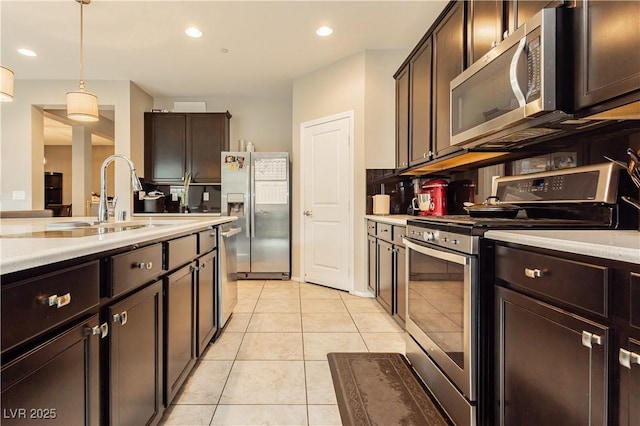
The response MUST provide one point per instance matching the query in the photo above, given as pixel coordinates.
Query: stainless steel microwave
(513, 93)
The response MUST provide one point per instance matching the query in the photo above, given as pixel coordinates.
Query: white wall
(337, 88)
(264, 121)
(379, 98)
(22, 148)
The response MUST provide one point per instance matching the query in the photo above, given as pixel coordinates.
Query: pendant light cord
(81, 45)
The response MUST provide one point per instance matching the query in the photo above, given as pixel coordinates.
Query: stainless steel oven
(441, 315)
(449, 271)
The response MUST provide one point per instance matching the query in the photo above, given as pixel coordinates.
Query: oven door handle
(438, 254)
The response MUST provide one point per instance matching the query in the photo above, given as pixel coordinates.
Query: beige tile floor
(269, 366)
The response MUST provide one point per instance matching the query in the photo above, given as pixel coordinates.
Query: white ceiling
(270, 43)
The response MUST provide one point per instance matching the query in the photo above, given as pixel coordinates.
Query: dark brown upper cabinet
(606, 40)
(520, 11)
(448, 62)
(177, 143)
(420, 104)
(402, 118)
(484, 27)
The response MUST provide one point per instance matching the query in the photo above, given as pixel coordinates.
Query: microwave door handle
(513, 73)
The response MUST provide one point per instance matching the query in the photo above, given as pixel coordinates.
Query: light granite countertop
(606, 244)
(394, 219)
(25, 245)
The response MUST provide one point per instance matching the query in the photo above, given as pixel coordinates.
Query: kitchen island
(117, 314)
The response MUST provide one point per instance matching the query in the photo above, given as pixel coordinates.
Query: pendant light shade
(6, 84)
(82, 105)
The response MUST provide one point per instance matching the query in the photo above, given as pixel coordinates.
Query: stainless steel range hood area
(522, 92)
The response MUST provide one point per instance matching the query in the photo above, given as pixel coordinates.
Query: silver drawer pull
(588, 339)
(626, 358)
(532, 273)
(100, 330)
(57, 301)
(145, 265)
(121, 318)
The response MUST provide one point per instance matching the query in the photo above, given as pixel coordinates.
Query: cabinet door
(484, 26)
(546, 373)
(448, 62)
(607, 35)
(135, 358)
(385, 274)
(179, 329)
(57, 383)
(520, 11)
(165, 138)
(402, 119)
(400, 290)
(373, 270)
(207, 278)
(208, 136)
(420, 104)
(630, 385)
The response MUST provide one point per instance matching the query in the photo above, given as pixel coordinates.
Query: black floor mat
(381, 389)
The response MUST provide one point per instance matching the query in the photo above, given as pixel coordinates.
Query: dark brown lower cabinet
(180, 347)
(207, 277)
(551, 365)
(400, 282)
(630, 385)
(135, 358)
(372, 279)
(385, 274)
(56, 383)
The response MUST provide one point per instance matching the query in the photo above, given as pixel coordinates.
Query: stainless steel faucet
(103, 208)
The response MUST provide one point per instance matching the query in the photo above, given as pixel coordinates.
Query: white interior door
(326, 188)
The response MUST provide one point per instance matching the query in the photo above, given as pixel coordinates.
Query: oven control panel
(451, 240)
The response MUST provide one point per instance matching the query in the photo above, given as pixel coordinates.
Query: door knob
(308, 213)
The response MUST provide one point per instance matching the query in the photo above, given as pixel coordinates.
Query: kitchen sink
(74, 229)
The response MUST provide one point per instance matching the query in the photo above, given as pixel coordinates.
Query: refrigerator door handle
(253, 199)
(248, 221)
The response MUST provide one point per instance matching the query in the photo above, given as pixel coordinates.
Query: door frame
(304, 125)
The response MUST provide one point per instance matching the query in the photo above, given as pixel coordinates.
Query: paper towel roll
(381, 204)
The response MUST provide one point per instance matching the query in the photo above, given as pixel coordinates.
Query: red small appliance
(437, 191)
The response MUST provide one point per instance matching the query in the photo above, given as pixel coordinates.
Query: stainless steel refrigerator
(255, 188)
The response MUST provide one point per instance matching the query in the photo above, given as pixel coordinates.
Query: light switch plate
(205, 196)
(19, 195)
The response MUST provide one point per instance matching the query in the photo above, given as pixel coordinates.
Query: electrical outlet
(19, 195)
(205, 196)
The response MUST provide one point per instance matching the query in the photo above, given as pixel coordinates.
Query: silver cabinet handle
(145, 265)
(533, 273)
(308, 213)
(121, 318)
(55, 300)
(588, 339)
(626, 358)
(100, 330)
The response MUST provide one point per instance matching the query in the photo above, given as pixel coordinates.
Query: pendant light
(6, 84)
(82, 105)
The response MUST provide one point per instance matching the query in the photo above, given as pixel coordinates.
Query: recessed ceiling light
(224, 50)
(324, 31)
(193, 32)
(27, 52)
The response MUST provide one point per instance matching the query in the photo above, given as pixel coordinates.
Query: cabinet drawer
(578, 284)
(371, 227)
(130, 270)
(30, 307)
(399, 232)
(207, 240)
(180, 251)
(383, 230)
